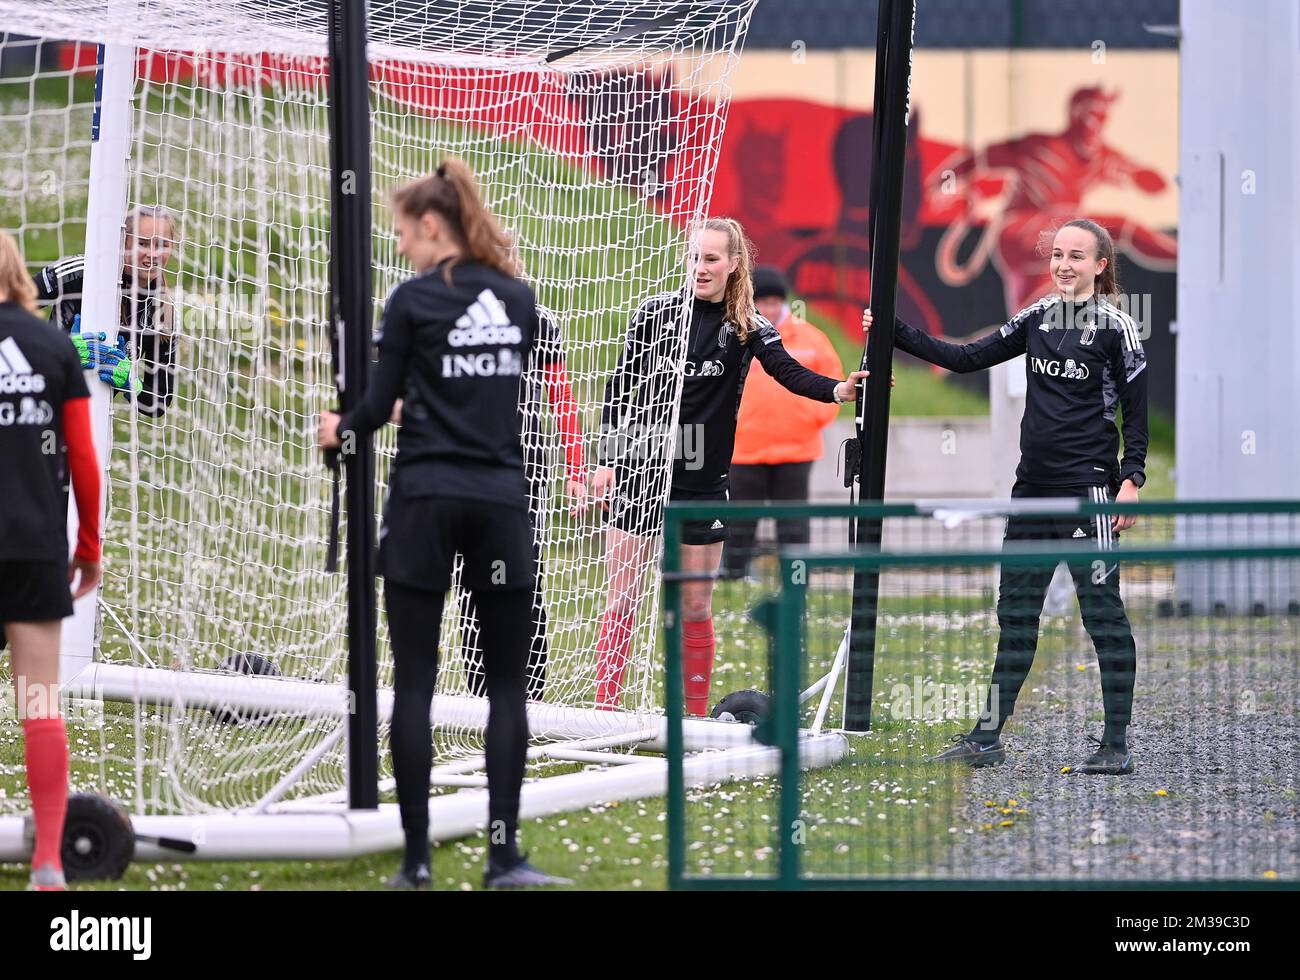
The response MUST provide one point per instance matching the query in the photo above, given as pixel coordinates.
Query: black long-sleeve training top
(455, 354)
(1083, 360)
(146, 318)
(39, 374)
(638, 404)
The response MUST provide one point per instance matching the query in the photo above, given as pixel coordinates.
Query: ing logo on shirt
(29, 411)
(1070, 370)
(703, 369)
(483, 365)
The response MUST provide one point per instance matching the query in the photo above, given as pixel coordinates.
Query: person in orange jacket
(778, 435)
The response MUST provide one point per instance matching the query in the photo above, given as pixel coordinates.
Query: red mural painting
(798, 177)
(1042, 179)
(795, 173)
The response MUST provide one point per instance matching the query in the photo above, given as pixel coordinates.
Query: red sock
(611, 658)
(697, 663)
(47, 780)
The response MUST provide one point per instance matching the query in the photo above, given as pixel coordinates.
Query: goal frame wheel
(98, 839)
(749, 707)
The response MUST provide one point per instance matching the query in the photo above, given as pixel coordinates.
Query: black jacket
(455, 354)
(39, 373)
(1083, 360)
(146, 318)
(638, 397)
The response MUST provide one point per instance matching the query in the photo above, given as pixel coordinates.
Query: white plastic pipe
(292, 833)
(101, 300)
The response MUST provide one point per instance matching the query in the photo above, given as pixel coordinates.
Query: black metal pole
(350, 305)
(889, 153)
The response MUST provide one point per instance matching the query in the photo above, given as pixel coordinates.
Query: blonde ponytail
(739, 296)
(453, 193)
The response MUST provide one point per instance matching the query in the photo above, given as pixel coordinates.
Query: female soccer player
(548, 371)
(725, 332)
(148, 335)
(453, 343)
(778, 435)
(42, 392)
(1085, 358)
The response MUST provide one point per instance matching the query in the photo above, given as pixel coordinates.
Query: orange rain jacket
(776, 426)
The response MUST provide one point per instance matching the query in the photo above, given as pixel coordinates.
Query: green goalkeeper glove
(122, 377)
(90, 346)
(115, 368)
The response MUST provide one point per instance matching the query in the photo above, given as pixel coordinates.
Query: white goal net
(594, 128)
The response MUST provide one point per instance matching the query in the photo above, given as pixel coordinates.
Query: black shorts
(34, 591)
(638, 515)
(421, 535)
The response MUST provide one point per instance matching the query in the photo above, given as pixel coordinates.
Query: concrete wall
(1239, 286)
(928, 457)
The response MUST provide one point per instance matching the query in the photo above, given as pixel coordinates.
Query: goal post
(892, 106)
(110, 142)
(350, 312)
(220, 654)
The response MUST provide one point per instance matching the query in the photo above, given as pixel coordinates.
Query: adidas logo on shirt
(485, 322)
(16, 376)
(1078, 533)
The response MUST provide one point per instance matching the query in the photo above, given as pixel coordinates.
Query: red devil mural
(1042, 179)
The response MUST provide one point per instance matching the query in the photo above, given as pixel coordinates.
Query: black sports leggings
(538, 652)
(469, 615)
(414, 622)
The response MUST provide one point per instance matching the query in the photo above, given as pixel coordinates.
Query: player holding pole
(453, 343)
(725, 333)
(1085, 360)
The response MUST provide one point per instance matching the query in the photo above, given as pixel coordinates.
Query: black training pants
(761, 482)
(1024, 587)
(414, 622)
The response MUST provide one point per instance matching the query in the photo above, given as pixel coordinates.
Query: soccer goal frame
(292, 816)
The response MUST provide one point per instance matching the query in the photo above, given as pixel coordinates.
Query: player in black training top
(547, 371)
(44, 406)
(723, 334)
(452, 345)
(1084, 359)
(143, 364)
